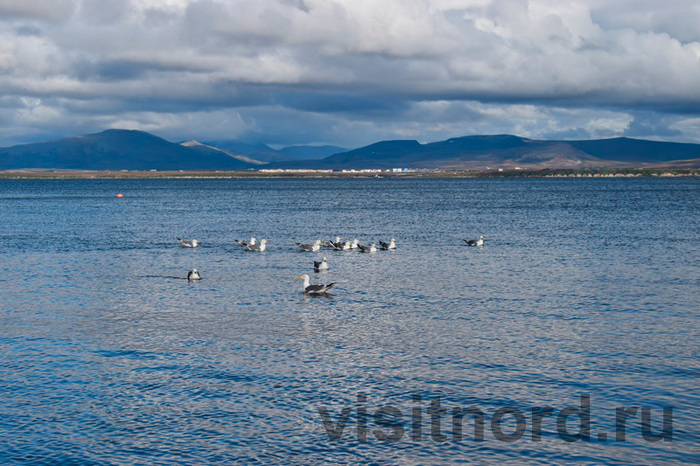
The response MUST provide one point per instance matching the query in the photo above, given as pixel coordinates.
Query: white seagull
(363, 248)
(258, 247)
(246, 243)
(315, 247)
(475, 242)
(193, 275)
(321, 265)
(349, 245)
(188, 244)
(390, 245)
(314, 289)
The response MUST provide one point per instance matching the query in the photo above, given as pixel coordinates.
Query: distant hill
(265, 153)
(116, 150)
(310, 152)
(506, 151)
(638, 150)
(259, 152)
(207, 150)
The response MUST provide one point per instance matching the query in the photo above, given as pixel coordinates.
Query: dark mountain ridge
(506, 151)
(138, 150)
(115, 149)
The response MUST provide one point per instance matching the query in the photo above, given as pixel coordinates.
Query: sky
(350, 72)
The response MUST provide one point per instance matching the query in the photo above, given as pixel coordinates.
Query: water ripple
(110, 356)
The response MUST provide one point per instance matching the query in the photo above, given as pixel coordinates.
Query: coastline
(220, 174)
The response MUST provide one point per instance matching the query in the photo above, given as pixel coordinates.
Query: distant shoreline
(207, 174)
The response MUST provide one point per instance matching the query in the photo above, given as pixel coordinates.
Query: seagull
(338, 245)
(390, 245)
(188, 244)
(314, 289)
(352, 245)
(344, 246)
(363, 248)
(321, 265)
(246, 243)
(475, 242)
(193, 275)
(335, 244)
(311, 247)
(258, 247)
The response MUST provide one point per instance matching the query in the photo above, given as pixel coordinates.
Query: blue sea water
(585, 288)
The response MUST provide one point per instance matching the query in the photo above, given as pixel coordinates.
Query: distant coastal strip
(203, 174)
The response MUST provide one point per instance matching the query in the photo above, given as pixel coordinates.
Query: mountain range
(265, 153)
(506, 151)
(117, 149)
(137, 150)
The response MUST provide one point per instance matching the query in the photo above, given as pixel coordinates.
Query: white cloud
(517, 64)
(687, 126)
(35, 113)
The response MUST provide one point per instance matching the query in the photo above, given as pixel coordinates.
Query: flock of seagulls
(319, 266)
(322, 265)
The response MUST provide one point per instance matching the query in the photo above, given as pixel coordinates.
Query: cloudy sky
(350, 72)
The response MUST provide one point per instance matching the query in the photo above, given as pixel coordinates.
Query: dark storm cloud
(646, 123)
(28, 30)
(125, 69)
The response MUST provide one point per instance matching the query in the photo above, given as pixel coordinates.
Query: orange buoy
(120, 195)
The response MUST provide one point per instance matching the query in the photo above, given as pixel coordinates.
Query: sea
(571, 336)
